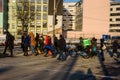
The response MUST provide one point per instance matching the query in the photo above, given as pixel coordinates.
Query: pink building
(96, 16)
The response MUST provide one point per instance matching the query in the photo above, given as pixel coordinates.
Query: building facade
(98, 19)
(30, 16)
(69, 16)
(96, 16)
(1, 14)
(79, 16)
(114, 17)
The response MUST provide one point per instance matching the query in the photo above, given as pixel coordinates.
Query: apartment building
(114, 17)
(69, 16)
(79, 15)
(1, 14)
(31, 16)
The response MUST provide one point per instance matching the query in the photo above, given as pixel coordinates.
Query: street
(38, 67)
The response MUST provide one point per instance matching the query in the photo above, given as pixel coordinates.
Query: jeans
(102, 55)
(61, 55)
(33, 50)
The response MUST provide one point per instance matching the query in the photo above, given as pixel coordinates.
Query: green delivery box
(86, 42)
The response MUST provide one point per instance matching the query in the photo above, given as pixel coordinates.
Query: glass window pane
(38, 8)
(44, 24)
(32, 1)
(38, 16)
(38, 1)
(45, 1)
(45, 8)
(44, 16)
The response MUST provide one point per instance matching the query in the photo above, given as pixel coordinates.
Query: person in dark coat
(9, 43)
(55, 50)
(115, 48)
(62, 47)
(37, 41)
(101, 53)
(26, 43)
(41, 43)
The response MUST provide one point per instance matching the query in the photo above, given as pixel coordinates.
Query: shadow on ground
(3, 55)
(111, 71)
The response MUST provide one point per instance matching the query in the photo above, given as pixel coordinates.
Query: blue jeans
(33, 50)
(61, 56)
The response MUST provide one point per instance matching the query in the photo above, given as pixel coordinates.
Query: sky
(78, 0)
(71, 0)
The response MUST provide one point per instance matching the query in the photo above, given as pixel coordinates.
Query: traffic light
(56, 20)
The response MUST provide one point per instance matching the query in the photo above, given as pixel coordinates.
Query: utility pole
(54, 13)
(54, 16)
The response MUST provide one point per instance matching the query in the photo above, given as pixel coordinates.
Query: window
(64, 10)
(115, 14)
(45, 1)
(64, 19)
(32, 1)
(38, 8)
(114, 4)
(19, 7)
(13, 26)
(45, 8)
(26, 23)
(114, 25)
(32, 15)
(118, 9)
(117, 19)
(25, 8)
(70, 24)
(19, 32)
(13, 7)
(13, 17)
(19, 15)
(44, 24)
(38, 16)
(26, 0)
(44, 16)
(19, 1)
(110, 19)
(32, 7)
(39, 1)
(114, 30)
(32, 24)
(38, 24)
(111, 9)
(19, 23)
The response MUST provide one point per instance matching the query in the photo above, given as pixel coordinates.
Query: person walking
(41, 43)
(9, 43)
(115, 48)
(32, 43)
(101, 48)
(62, 48)
(37, 42)
(55, 46)
(48, 45)
(26, 43)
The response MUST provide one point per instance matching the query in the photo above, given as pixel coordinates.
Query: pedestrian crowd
(41, 44)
